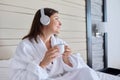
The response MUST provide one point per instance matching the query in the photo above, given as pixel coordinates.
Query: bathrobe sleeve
(24, 66)
(75, 59)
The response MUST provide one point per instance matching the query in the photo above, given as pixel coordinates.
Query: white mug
(61, 48)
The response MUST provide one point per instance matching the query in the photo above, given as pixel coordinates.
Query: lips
(59, 27)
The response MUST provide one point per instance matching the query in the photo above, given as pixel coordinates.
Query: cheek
(55, 23)
(52, 23)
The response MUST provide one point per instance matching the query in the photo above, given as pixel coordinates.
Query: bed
(105, 76)
(4, 72)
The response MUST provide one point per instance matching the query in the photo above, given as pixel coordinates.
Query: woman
(37, 56)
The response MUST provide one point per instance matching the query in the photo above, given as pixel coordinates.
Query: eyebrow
(56, 16)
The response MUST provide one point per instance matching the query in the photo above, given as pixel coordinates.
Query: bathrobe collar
(53, 41)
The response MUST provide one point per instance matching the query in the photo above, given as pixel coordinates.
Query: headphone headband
(42, 11)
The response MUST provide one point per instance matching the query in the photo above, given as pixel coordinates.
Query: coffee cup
(61, 48)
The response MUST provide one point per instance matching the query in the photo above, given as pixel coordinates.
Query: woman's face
(55, 24)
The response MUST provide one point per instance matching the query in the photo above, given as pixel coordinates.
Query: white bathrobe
(25, 64)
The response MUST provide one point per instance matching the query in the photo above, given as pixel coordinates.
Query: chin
(57, 32)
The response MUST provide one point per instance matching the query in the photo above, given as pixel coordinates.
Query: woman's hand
(50, 55)
(66, 55)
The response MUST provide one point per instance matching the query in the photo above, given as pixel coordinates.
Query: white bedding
(104, 76)
(4, 72)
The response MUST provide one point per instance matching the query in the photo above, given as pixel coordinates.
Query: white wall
(113, 29)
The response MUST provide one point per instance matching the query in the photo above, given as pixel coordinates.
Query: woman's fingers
(50, 55)
(53, 52)
(67, 51)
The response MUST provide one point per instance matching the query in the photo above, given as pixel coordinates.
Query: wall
(16, 18)
(113, 29)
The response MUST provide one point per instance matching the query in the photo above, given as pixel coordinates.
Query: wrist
(67, 61)
(42, 65)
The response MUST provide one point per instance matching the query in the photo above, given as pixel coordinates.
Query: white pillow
(7, 52)
(5, 56)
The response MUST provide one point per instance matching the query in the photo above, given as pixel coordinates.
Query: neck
(46, 38)
(47, 41)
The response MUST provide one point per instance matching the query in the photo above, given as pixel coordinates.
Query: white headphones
(45, 20)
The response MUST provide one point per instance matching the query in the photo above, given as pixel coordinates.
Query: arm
(24, 67)
(28, 71)
(50, 55)
(71, 61)
(66, 55)
(76, 61)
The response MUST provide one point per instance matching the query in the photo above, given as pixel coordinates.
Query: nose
(60, 23)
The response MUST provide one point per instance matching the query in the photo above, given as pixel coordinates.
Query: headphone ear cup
(45, 20)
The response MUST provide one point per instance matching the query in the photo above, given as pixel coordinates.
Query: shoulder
(25, 43)
(25, 47)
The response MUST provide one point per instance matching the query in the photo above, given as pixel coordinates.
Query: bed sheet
(105, 76)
